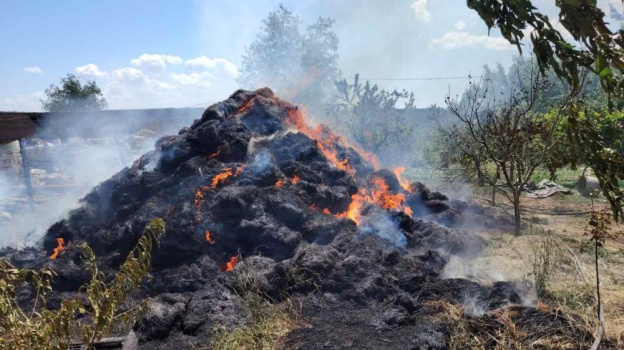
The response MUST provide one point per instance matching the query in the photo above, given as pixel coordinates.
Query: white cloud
(34, 69)
(128, 73)
(195, 78)
(156, 60)
(23, 103)
(460, 25)
(454, 40)
(420, 9)
(152, 81)
(211, 63)
(91, 70)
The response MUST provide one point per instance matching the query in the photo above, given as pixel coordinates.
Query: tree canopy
(601, 50)
(503, 128)
(301, 66)
(596, 49)
(73, 96)
(370, 115)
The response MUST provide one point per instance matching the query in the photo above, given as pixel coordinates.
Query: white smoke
(378, 222)
(68, 157)
(473, 306)
(261, 162)
(461, 267)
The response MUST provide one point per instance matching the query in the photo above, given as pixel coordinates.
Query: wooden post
(26, 170)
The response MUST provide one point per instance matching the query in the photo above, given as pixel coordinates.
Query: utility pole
(26, 170)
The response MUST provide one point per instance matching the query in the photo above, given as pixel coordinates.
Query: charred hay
(249, 193)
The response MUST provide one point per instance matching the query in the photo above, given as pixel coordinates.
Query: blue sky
(182, 53)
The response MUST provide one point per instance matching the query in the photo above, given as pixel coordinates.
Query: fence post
(26, 170)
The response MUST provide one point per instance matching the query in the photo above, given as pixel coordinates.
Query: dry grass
(515, 328)
(269, 322)
(267, 327)
(468, 334)
(571, 283)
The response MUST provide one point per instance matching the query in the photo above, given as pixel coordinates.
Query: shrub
(55, 329)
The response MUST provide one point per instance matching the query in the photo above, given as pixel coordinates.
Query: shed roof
(16, 125)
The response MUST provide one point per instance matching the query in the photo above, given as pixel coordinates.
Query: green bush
(41, 328)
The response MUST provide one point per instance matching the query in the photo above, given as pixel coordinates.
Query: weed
(588, 247)
(268, 321)
(545, 259)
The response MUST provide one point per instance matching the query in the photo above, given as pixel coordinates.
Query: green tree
(73, 96)
(600, 51)
(597, 49)
(300, 66)
(371, 116)
(506, 131)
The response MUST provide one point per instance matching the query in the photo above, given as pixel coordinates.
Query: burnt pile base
(269, 196)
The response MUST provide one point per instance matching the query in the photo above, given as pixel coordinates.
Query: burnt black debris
(245, 181)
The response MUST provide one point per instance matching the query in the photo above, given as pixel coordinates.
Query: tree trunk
(496, 177)
(601, 322)
(516, 205)
(494, 194)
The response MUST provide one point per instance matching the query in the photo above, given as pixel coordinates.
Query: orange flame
(224, 175)
(383, 197)
(219, 178)
(199, 195)
(357, 200)
(408, 210)
(229, 266)
(214, 154)
(326, 211)
(295, 179)
(216, 180)
(279, 183)
(326, 140)
(342, 215)
(404, 182)
(209, 239)
(59, 248)
(247, 106)
(380, 195)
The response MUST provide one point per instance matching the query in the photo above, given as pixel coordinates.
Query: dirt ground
(553, 227)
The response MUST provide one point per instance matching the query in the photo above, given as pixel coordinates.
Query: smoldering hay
(249, 188)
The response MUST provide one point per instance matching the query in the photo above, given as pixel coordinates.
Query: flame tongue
(327, 142)
(59, 248)
(220, 178)
(381, 195)
(378, 194)
(216, 181)
(246, 106)
(224, 175)
(229, 266)
(211, 156)
(398, 171)
(209, 238)
(199, 195)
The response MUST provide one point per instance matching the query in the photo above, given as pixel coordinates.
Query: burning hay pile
(250, 190)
